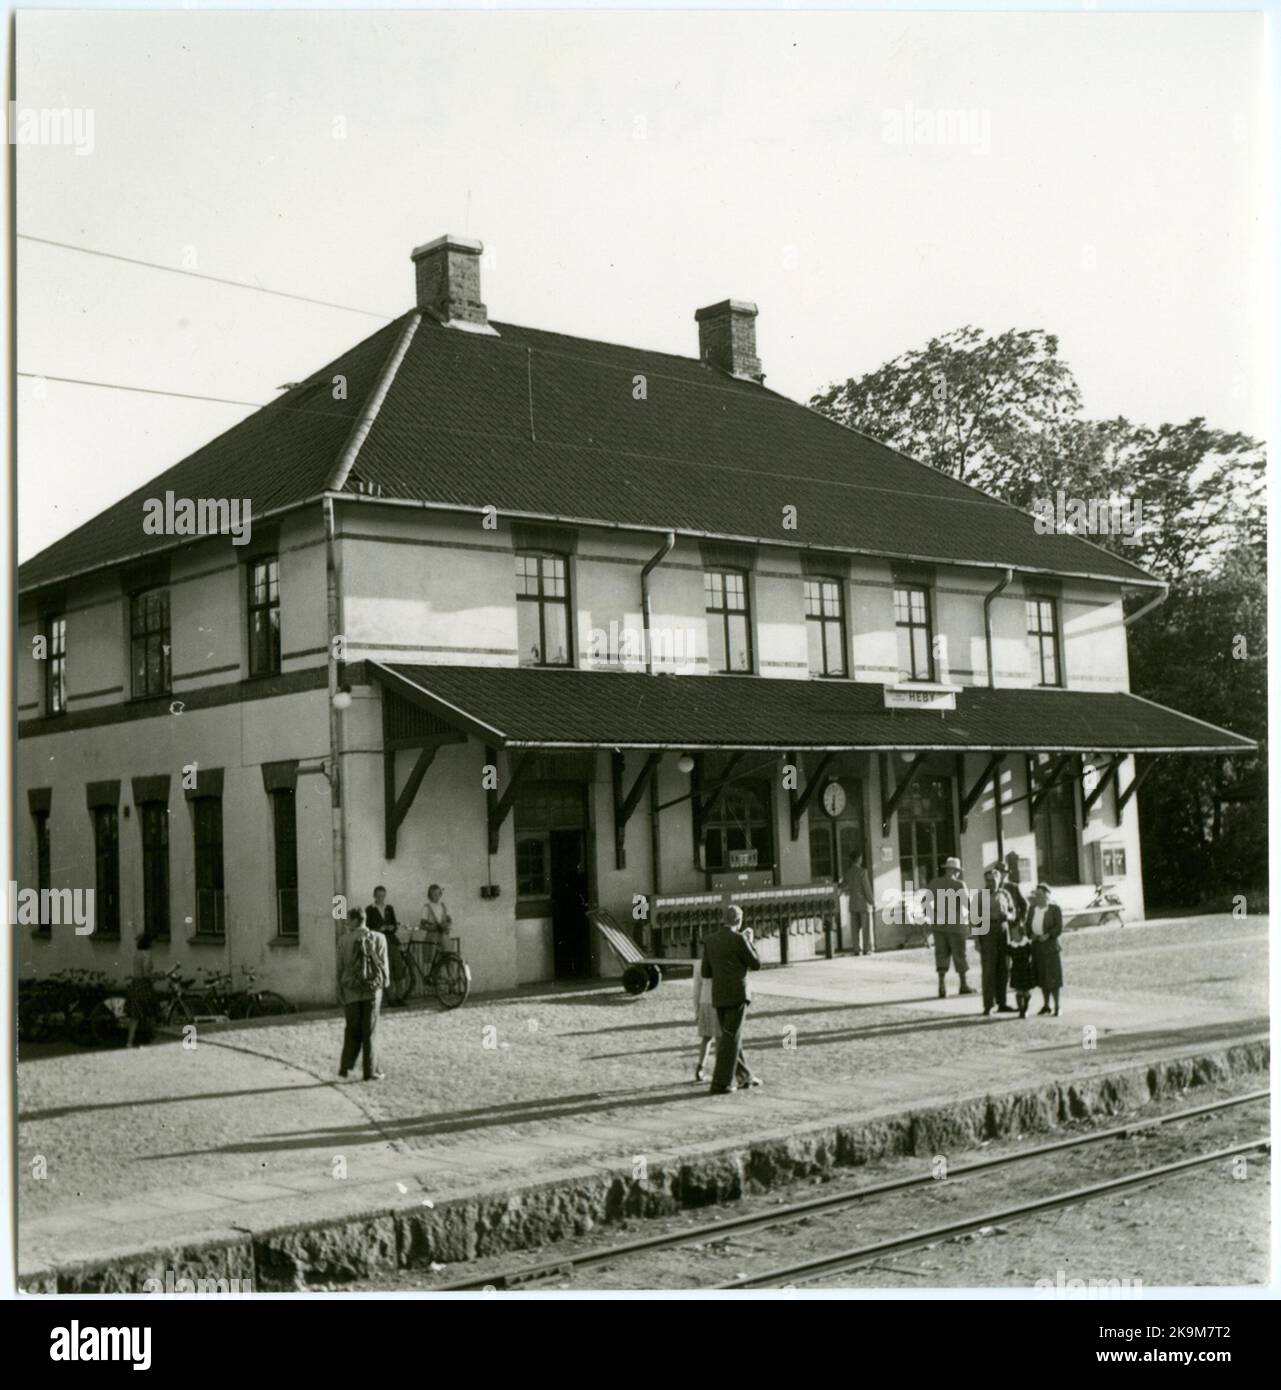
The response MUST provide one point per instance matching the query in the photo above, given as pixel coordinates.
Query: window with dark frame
(211, 911)
(542, 609)
(106, 879)
(741, 820)
(540, 808)
(825, 626)
(264, 617)
(915, 633)
(284, 823)
(44, 881)
(149, 642)
(1043, 640)
(729, 625)
(55, 674)
(154, 819)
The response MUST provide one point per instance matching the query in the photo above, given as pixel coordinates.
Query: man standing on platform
(950, 903)
(859, 887)
(728, 956)
(994, 943)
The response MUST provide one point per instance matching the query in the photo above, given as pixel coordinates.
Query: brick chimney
(447, 276)
(727, 338)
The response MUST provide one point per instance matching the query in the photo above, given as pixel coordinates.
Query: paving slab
(165, 1144)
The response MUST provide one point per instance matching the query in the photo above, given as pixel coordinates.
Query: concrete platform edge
(491, 1220)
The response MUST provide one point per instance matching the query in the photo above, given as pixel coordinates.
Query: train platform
(520, 1118)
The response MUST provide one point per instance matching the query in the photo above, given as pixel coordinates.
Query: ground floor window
(926, 830)
(106, 851)
(285, 831)
(1057, 836)
(211, 904)
(737, 821)
(154, 817)
(40, 821)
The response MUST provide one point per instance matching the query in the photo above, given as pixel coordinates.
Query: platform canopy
(529, 707)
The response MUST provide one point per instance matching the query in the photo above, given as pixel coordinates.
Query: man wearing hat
(994, 943)
(950, 904)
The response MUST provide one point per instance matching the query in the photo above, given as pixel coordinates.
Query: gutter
(1006, 580)
(656, 559)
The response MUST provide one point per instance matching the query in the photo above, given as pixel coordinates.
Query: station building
(555, 623)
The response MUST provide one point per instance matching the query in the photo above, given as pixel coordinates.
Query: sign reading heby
(909, 695)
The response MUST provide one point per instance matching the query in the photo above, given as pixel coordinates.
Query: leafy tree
(982, 409)
(1004, 413)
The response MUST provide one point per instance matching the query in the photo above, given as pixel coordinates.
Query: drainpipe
(1149, 606)
(334, 607)
(656, 559)
(655, 839)
(1006, 580)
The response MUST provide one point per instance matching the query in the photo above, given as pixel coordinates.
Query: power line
(199, 275)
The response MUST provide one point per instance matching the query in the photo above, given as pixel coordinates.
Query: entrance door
(834, 841)
(926, 830)
(571, 942)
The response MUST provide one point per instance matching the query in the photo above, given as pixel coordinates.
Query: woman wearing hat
(1045, 926)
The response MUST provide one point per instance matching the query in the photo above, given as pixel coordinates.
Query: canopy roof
(528, 707)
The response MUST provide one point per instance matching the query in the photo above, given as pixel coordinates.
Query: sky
(1102, 179)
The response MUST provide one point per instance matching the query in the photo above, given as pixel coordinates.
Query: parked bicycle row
(86, 1007)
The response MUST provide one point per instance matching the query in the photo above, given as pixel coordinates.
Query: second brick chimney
(447, 276)
(727, 338)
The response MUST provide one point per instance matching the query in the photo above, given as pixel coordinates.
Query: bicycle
(180, 1006)
(1107, 904)
(446, 973)
(251, 1002)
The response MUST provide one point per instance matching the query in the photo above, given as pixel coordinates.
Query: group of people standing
(1019, 950)
(1018, 945)
(369, 962)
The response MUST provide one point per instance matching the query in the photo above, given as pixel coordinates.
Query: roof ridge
(373, 404)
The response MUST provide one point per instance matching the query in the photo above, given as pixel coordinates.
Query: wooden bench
(1076, 903)
(640, 972)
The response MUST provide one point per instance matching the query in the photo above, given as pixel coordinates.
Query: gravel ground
(1209, 1227)
(253, 1100)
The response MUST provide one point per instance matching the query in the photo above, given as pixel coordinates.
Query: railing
(786, 922)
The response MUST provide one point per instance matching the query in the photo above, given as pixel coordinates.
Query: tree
(1004, 413)
(981, 409)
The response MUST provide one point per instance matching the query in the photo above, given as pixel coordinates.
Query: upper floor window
(55, 671)
(915, 634)
(825, 626)
(542, 610)
(149, 642)
(729, 620)
(1043, 640)
(264, 617)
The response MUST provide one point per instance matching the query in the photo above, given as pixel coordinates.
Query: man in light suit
(728, 956)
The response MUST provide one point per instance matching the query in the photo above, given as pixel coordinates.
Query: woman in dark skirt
(140, 999)
(1045, 926)
(1022, 966)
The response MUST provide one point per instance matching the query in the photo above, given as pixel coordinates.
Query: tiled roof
(527, 705)
(280, 455)
(545, 425)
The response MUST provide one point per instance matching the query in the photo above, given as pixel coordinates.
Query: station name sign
(920, 696)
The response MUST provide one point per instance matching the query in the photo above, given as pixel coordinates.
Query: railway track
(833, 1203)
